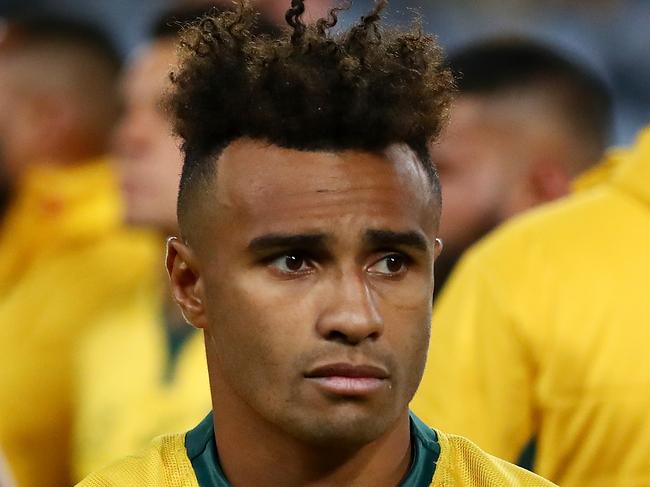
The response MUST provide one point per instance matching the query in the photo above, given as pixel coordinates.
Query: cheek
(407, 319)
(256, 326)
(409, 341)
(407, 327)
(409, 297)
(468, 202)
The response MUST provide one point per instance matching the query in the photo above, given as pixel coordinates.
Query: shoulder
(163, 464)
(539, 249)
(463, 464)
(547, 228)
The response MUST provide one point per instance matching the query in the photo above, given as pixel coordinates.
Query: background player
(526, 121)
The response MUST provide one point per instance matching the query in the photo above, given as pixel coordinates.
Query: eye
(290, 264)
(390, 265)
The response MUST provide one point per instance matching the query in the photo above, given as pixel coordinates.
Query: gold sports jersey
(190, 460)
(64, 260)
(542, 334)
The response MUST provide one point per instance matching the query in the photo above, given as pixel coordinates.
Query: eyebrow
(388, 238)
(276, 241)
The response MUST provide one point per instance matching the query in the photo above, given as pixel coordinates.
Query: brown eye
(394, 263)
(290, 264)
(390, 265)
(293, 262)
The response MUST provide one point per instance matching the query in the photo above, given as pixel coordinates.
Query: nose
(351, 314)
(127, 140)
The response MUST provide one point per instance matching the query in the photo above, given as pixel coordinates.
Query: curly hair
(306, 89)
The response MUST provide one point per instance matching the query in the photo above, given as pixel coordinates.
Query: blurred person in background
(61, 240)
(159, 384)
(540, 339)
(525, 122)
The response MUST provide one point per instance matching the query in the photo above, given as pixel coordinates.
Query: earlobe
(185, 281)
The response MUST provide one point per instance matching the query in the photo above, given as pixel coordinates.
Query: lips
(343, 379)
(348, 370)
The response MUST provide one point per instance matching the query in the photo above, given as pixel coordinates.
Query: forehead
(514, 111)
(147, 74)
(265, 188)
(478, 128)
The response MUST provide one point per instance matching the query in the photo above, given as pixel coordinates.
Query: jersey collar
(201, 449)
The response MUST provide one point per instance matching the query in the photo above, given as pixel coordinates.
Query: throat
(284, 461)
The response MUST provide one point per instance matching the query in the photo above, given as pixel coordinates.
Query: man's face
(148, 155)
(479, 163)
(315, 276)
(17, 132)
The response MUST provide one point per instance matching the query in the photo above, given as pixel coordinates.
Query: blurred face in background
(58, 104)
(18, 122)
(148, 156)
(471, 159)
(498, 156)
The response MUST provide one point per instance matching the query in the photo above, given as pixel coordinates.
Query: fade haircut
(505, 64)
(308, 89)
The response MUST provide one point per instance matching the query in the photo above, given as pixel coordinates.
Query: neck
(253, 451)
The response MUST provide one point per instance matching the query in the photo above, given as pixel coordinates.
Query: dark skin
(311, 274)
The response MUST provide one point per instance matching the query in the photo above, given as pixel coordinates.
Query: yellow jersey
(64, 260)
(131, 387)
(542, 334)
(190, 460)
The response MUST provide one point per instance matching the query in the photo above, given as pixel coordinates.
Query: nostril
(350, 338)
(337, 336)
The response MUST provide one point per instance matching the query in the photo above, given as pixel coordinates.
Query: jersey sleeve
(478, 382)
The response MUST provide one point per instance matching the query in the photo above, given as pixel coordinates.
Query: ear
(549, 180)
(185, 281)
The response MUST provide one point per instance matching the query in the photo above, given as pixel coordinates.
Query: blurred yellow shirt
(129, 391)
(543, 333)
(190, 460)
(64, 260)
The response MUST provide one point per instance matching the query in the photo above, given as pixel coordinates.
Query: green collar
(202, 451)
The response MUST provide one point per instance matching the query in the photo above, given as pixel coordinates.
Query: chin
(141, 220)
(134, 220)
(343, 428)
